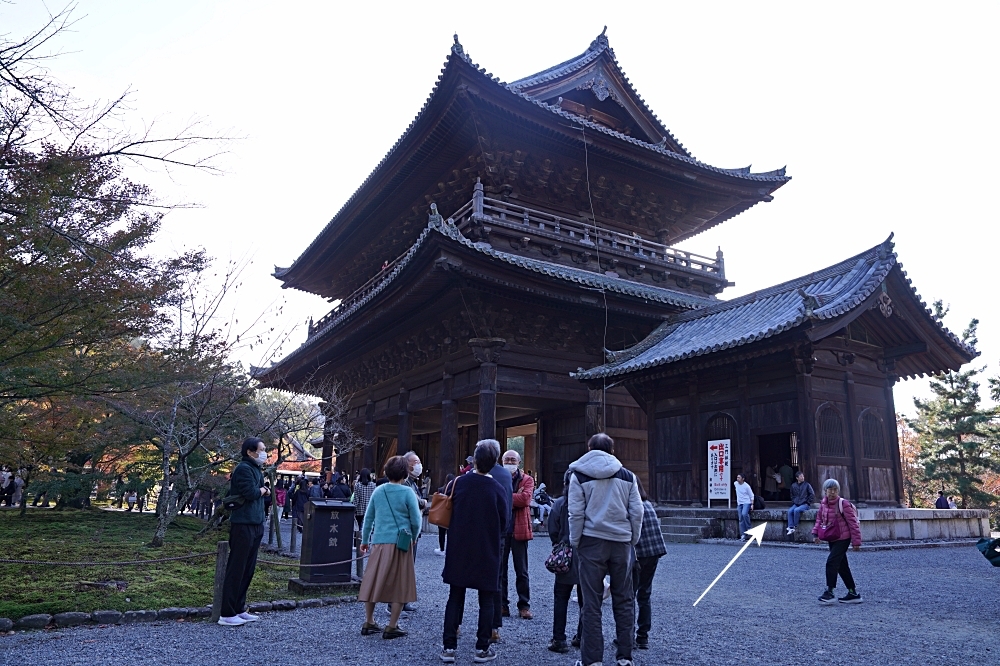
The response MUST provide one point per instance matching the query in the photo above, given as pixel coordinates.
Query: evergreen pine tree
(958, 438)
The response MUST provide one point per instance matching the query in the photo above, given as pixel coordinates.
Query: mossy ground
(97, 535)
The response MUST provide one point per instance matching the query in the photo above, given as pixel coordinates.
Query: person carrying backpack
(837, 523)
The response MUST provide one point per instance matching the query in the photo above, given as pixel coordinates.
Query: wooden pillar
(371, 431)
(487, 352)
(405, 422)
(860, 489)
(326, 460)
(890, 424)
(595, 411)
(748, 453)
(449, 430)
(804, 364)
(698, 452)
(652, 445)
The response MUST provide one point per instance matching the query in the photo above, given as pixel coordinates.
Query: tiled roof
(597, 47)
(458, 52)
(822, 295)
(584, 278)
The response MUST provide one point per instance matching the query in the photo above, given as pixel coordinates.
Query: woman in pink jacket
(837, 523)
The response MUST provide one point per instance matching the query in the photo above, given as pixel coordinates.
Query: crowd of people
(598, 521)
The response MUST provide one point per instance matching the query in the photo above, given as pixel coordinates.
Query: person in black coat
(339, 489)
(559, 533)
(480, 513)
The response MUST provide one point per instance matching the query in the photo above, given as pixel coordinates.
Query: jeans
(543, 513)
(453, 612)
(744, 511)
(520, 551)
(794, 513)
(836, 563)
(642, 583)
(598, 558)
(244, 540)
(560, 608)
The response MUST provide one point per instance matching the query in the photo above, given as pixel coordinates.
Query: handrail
(514, 217)
(556, 227)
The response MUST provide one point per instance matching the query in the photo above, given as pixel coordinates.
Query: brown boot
(525, 614)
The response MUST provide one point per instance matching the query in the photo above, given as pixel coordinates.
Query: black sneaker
(851, 598)
(562, 647)
(575, 642)
(448, 655)
(827, 597)
(642, 642)
(482, 656)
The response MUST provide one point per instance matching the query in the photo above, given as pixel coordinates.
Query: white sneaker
(790, 530)
(439, 552)
(234, 621)
(248, 617)
(625, 662)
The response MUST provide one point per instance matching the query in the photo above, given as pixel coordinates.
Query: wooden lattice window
(830, 430)
(873, 436)
(721, 426)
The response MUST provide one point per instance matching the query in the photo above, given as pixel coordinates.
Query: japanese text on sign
(719, 465)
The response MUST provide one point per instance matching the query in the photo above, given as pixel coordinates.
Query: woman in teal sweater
(389, 576)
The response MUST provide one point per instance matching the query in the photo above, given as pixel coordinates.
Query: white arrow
(756, 534)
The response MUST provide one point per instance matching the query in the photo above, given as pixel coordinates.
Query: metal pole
(359, 564)
(221, 560)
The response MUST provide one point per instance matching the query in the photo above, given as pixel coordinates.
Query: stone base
(299, 586)
(877, 523)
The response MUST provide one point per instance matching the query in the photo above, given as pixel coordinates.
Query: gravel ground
(932, 605)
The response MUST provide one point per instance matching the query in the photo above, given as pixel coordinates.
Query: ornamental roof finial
(457, 48)
(601, 42)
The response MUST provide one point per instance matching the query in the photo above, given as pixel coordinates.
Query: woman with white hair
(837, 524)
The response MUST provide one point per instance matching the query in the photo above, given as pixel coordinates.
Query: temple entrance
(778, 454)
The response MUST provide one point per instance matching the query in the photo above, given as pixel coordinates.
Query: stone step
(697, 530)
(678, 520)
(680, 538)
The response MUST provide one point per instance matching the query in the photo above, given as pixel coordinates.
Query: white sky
(885, 114)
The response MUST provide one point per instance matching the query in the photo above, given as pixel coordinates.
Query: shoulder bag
(403, 536)
(560, 560)
(441, 504)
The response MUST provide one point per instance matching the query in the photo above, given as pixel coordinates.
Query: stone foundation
(877, 524)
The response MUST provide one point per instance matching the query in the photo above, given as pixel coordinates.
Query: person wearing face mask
(245, 532)
(518, 536)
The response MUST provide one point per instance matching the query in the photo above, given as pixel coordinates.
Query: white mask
(417, 469)
(510, 467)
(262, 457)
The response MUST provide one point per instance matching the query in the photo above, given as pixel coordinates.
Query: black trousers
(836, 563)
(560, 608)
(244, 541)
(642, 583)
(442, 535)
(453, 612)
(519, 549)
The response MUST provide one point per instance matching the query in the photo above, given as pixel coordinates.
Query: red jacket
(828, 513)
(524, 487)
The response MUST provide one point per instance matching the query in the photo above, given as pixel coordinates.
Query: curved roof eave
(457, 54)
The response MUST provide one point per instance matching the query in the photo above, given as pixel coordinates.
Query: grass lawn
(96, 535)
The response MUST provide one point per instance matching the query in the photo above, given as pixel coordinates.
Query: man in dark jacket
(506, 481)
(802, 497)
(246, 528)
(942, 501)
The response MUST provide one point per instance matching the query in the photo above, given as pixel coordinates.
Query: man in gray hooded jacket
(605, 521)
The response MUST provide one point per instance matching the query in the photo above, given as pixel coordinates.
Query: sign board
(719, 469)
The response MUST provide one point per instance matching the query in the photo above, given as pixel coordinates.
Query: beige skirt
(389, 576)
